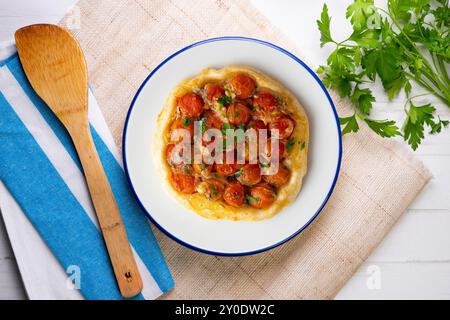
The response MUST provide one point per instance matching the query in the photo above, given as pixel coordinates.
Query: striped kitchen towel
(40, 169)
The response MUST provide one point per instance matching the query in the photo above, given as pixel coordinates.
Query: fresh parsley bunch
(408, 42)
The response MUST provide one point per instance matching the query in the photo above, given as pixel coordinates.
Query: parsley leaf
(324, 26)
(224, 100)
(358, 12)
(186, 121)
(418, 117)
(227, 126)
(251, 199)
(363, 99)
(290, 144)
(213, 188)
(203, 126)
(394, 87)
(302, 145)
(369, 38)
(350, 123)
(402, 8)
(384, 62)
(384, 128)
(437, 127)
(341, 81)
(341, 59)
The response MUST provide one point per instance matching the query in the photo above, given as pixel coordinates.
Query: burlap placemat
(124, 40)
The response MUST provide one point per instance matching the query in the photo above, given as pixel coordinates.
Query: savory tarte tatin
(234, 97)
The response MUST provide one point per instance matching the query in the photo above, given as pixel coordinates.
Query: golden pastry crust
(296, 161)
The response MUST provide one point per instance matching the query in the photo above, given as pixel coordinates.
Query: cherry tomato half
(261, 196)
(279, 178)
(250, 174)
(234, 194)
(242, 85)
(265, 101)
(191, 104)
(183, 182)
(284, 124)
(214, 189)
(213, 92)
(238, 113)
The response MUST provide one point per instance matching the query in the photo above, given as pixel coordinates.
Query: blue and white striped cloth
(40, 169)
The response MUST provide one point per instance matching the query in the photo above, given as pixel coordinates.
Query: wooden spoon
(56, 68)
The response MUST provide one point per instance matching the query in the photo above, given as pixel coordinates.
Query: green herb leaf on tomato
(186, 121)
(224, 100)
(251, 199)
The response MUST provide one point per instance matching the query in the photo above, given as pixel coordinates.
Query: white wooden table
(414, 259)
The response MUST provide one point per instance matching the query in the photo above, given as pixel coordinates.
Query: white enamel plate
(222, 237)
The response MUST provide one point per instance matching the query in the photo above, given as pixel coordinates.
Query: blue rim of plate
(296, 59)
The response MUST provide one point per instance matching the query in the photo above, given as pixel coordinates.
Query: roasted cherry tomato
(213, 92)
(184, 123)
(238, 113)
(285, 125)
(278, 178)
(257, 125)
(191, 104)
(234, 194)
(183, 182)
(242, 85)
(213, 189)
(225, 169)
(261, 196)
(265, 101)
(249, 175)
(265, 116)
(212, 120)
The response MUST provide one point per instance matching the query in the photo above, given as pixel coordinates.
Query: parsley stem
(432, 77)
(441, 72)
(360, 115)
(413, 97)
(427, 70)
(437, 83)
(425, 85)
(400, 28)
(342, 44)
(443, 68)
(419, 55)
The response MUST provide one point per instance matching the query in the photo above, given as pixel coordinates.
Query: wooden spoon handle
(110, 221)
